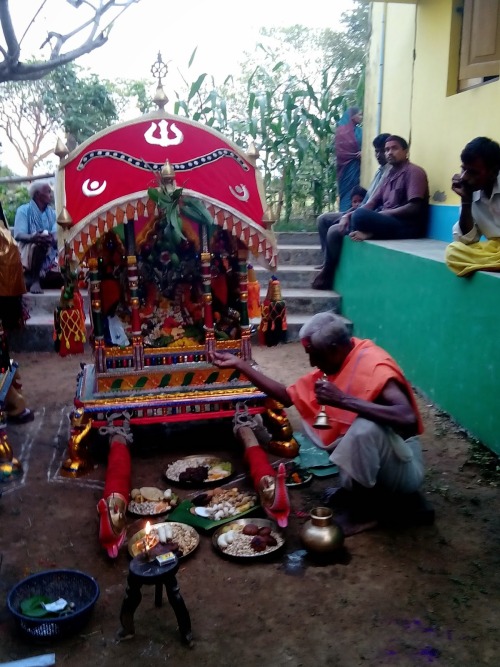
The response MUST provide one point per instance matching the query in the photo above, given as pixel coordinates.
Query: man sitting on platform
(326, 220)
(397, 210)
(373, 418)
(478, 186)
(35, 230)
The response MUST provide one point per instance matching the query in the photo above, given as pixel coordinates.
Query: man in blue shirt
(35, 230)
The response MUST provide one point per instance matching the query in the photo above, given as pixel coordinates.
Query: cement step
(298, 276)
(306, 301)
(46, 303)
(290, 254)
(37, 335)
(297, 238)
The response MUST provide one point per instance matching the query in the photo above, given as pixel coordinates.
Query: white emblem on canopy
(240, 192)
(164, 139)
(94, 188)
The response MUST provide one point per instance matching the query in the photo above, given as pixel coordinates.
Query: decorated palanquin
(163, 215)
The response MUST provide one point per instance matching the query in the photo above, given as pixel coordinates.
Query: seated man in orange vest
(373, 419)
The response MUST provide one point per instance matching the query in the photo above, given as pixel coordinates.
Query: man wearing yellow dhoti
(478, 186)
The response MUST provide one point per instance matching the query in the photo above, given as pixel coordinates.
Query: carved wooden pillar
(246, 352)
(133, 285)
(97, 323)
(206, 273)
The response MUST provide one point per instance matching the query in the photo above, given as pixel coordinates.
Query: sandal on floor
(24, 417)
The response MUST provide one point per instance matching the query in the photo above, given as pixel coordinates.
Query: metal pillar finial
(159, 70)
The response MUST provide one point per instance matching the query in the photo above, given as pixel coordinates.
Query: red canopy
(104, 182)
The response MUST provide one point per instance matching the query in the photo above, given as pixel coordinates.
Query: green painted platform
(442, 330)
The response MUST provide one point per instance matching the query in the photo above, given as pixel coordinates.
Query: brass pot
(321, 535)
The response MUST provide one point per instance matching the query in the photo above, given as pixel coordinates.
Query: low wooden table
(144, 570)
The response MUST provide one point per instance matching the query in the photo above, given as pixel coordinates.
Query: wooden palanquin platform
(169, 300)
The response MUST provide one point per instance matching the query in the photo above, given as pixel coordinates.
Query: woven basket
(76, 587)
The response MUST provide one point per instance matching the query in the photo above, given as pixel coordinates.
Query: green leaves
(196, 86)
(34, 606)
(193, 209)
(293, 89)
(154, 194)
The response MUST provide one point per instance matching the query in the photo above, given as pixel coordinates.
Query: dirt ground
(413, 596)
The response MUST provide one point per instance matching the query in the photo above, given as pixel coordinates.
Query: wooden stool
(145, 570)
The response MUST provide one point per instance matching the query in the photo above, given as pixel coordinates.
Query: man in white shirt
(478, 186)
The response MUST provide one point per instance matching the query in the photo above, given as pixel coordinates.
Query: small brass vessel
(320, 535)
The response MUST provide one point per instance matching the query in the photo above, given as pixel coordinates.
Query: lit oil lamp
(149, 540)
(146, 539)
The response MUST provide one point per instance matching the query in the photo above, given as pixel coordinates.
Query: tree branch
(12, 68)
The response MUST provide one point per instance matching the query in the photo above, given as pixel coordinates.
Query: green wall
(444, 331)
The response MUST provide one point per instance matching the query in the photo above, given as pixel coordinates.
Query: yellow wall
(419, 102)
(391, 69)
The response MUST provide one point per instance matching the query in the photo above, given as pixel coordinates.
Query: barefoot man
(373, 420)
(398, 209)
(35, 230)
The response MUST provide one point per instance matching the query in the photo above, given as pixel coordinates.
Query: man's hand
(224, 360)
(343, 225)
(42, 239)
(328, 393)
(461, 187)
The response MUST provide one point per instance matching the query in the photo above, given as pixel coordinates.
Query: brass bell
(322, 421)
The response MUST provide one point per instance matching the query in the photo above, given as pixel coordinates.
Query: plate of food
(297, 476)
(151, 501)
(220, 504)
(246, 539)
(179, 538)
(198, 470)
(215, 507)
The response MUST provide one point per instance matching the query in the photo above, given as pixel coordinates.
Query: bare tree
(26, 124)
(96, 21)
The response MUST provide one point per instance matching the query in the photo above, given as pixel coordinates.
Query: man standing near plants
(35, 230)
(397, 210)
